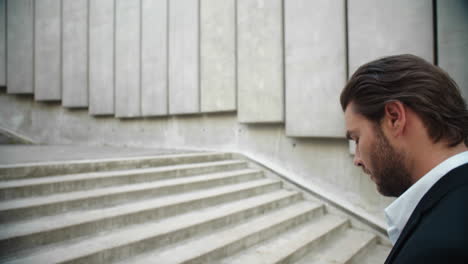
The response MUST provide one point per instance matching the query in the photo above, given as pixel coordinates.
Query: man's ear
(395, 117)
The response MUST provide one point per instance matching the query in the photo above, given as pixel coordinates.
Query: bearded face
(388, 168)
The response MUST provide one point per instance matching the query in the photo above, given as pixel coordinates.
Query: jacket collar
(454, 179)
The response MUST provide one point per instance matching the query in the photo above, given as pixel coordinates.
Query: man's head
(391, 102)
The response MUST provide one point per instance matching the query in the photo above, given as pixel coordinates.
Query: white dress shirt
(399, 211)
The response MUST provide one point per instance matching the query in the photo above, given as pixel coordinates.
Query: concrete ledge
(294, 244)
(357, 213)
(29, 234)
(127, 242)
(41, 169)
(232, 240)
(15, 138)
(85, 181)
(21, 209)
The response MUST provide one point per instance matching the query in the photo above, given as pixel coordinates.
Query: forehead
(353, 120)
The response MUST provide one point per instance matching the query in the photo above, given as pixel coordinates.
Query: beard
(389, 171)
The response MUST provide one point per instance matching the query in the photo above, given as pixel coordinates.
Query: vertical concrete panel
(2, 42)
(452, 36)
(101, 57)
(184, 95)
(47, 47)
(75, 53)
(260, 61)
(20, 28)
(315, 54)
(380, 28)
(154, 58)
(218, 57)
(127, 64)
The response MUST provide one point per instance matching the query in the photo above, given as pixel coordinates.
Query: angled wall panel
(2, 42)
(75, 53)
(101, 57)
(217, 52)
(127, 64)
(20, 28)
(184, 94)
(380, 28)
(260, 61)
(47, 60)
(452, 35)
(315, 67)
(154, 58)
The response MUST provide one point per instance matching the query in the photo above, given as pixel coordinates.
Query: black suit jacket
(437, 230)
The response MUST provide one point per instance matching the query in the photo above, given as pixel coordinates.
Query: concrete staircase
(182, 208)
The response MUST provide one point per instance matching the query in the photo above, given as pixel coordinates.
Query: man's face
(376, 156)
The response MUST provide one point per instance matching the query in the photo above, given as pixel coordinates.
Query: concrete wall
(315, 47)
(217, 55)
(20, 45)
(47, 46)
(101, 57)
(271, 61)
(184, 44)
(3, 42)
(378, 28)
(260, 61)
(74, 53)
(452, 36)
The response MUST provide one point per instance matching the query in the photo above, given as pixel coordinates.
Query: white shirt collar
(399, 211)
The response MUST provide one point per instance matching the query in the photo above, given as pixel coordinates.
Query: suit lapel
(452, 180)
(407, 230)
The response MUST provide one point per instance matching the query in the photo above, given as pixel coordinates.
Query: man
(410, 125)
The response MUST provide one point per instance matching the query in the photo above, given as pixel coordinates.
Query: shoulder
(441, 235)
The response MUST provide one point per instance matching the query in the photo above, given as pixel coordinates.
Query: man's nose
(357, 161)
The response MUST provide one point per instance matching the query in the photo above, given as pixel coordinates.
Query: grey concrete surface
(378, 28)
(452, 45)
(315, 54)
(293, 244)
(229, 241)
(101, 57)
(16, 154)
(154, 83)
(137, 238)
(90, 222)
(4, 139)
(42, 186)
(218, 55)
(20, 46)
(323, 163)
(260, 61)
(187, 212)
(75, 53)
(3, 42)
(47, 50)
(127, 59)
(184, 56)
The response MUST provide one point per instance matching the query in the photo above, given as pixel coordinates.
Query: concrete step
(46, 230)
(374, 253)
(130, 241)
(21, 209)
(341, 248)
(293, 245)
(21, 188)
(43, 169)
(220, 244)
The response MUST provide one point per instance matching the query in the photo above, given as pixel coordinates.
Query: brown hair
(425, 88)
